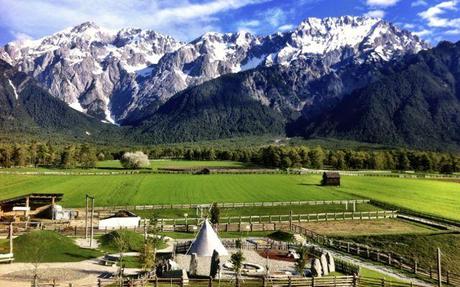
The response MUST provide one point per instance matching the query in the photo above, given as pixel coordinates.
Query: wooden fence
(269, 222)
(229, 205)
(388, 258)
(331, 281)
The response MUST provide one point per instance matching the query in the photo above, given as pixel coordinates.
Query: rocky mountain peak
(115, 75)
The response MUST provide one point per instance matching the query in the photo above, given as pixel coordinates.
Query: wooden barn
(331, 179)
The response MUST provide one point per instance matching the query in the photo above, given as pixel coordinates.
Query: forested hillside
(417, 103)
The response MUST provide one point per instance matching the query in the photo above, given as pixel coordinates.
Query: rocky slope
(125, 76)
(88, 67)
(28, 110)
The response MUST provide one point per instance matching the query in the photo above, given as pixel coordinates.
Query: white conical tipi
(206, 242)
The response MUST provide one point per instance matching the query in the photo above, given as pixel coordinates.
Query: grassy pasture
(142, 189)
(441, 198)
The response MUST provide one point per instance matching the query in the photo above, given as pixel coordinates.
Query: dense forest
(39, 154)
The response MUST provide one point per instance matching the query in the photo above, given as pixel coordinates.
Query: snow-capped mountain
(115, 75)
(85, 64)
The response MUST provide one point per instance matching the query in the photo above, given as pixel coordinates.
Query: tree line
(86, 156)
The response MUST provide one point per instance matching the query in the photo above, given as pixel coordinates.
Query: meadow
(435, 197)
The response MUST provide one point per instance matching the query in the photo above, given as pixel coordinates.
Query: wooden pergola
(29, 201)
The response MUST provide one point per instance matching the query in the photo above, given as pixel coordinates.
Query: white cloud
(408, 26)
(275, 17)
(433, 15)
(419, 3)
(375, 14)
(423, 33)
(453, 32)
(250, 23)
(285, 27)
(381, 3)
(181, 18)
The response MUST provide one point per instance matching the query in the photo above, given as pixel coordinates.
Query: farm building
(121, 219)
(331, 178)
(29, 204)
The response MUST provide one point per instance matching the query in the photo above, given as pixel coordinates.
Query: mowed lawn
(142, 189)
(435, 197)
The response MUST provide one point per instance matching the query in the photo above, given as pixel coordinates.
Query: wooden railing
(388, 258)
(330, 281)
(229, 204)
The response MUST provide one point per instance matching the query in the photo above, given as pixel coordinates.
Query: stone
(330, 262)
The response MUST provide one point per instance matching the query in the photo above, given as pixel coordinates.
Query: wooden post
(290, 220)
(389, 259)
(289, 281)
(264, 281)
(210, 282)
(313, 281)
(439, 268)
(10, 231)
(86, 217)
(383, 282)
(355, 282)
(447, 277)
(415, 266)
(91, 224)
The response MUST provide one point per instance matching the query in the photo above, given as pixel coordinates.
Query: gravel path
(84, 273)
(204, 263)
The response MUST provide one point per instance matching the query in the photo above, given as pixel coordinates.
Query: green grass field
(47, 246)
(441, 198)
(171, 188)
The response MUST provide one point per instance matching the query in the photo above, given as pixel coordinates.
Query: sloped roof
(206, 242)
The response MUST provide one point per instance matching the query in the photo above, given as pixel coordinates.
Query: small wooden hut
(331, 179)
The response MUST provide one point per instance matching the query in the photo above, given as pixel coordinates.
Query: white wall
(117, 222)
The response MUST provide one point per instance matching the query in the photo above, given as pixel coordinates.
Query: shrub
(135, 160)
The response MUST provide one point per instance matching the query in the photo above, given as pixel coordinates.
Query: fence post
(383, 282)
(354, 280)
(447, 277)
(99, 284)
(264, 281)
(313, 281)
(210, 282)
(415, 266)
(389, 259)
(289, 281)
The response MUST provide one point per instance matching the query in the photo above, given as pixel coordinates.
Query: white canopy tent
(206, 242)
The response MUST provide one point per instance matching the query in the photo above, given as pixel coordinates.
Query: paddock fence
(230, 205)
(409, 265)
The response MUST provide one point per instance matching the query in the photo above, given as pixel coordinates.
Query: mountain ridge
(115, 75)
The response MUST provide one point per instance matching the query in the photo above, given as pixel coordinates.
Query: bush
(135, 160)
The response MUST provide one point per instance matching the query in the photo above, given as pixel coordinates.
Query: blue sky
(432, 20)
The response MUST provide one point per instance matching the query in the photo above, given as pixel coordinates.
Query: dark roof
(35, 198)
(122, 213)
(331, 174)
